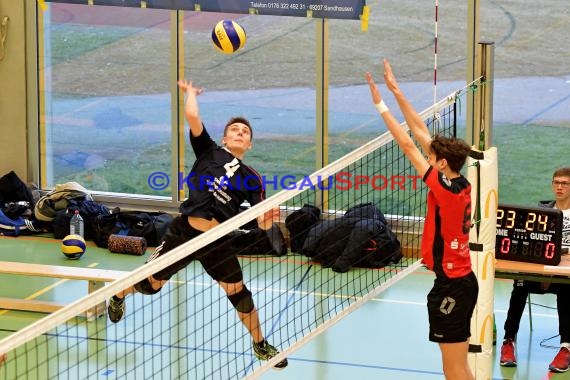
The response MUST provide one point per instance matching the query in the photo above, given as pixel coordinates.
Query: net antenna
(435, 36)
(436, 116)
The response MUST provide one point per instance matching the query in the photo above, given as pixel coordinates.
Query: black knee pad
(145, 287)
(242, 300)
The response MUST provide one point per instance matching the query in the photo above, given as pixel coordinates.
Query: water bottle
(76, 224)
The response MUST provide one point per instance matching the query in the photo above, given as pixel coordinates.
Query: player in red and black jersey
(218, 184)
(445, 242)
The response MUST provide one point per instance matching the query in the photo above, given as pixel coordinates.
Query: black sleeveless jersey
(219, 182)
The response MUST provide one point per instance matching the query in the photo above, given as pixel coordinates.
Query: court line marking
(49, 240)
(136, 343)
(213, 284)
(207, 284)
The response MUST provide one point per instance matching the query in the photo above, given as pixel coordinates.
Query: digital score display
(530, 234)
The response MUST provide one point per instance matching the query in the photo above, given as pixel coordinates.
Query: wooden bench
(95, 278)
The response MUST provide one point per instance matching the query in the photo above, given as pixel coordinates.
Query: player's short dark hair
(562, 172)
(454, 150)
(238, 119)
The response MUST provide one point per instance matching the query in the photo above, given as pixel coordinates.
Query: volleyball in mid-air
(73, 246)
(228, 36)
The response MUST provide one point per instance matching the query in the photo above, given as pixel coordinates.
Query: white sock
(566, 345)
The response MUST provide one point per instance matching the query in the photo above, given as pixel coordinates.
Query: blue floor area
(386, 338)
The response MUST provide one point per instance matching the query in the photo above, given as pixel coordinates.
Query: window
(107, 96)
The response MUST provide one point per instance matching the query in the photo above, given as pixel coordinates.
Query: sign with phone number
(332, 9)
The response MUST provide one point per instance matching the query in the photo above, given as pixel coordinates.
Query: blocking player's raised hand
(374, 92)
(389, 78)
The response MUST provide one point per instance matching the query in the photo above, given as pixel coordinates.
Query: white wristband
(381, 107)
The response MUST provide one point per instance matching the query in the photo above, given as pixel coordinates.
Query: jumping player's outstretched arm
(415, 123)
(400, 135)
(191, 110)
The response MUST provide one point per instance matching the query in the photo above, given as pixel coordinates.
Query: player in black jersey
(218, 184)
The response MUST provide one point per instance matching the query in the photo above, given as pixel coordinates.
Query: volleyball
(73, 246)
(228, 36)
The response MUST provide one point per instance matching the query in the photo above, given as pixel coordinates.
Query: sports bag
(17, 226)
(150, 225)
(89, 211)
(13, 189)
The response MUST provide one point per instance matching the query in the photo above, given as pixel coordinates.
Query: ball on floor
(73, 246)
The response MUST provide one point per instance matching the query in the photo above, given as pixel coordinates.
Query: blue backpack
(18, 226)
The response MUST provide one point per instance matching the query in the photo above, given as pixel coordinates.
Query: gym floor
(384, 339)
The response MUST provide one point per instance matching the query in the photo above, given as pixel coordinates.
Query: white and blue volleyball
(228, 36)
(73, 246)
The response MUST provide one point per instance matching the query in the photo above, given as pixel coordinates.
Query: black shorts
(218, 258)
(450, 303)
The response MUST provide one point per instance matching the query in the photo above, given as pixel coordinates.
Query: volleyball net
(190, 330)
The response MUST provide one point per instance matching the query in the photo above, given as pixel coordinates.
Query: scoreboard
(530, 234)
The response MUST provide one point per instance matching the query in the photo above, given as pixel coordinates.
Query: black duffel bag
(150, 225)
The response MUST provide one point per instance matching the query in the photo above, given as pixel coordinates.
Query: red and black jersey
(445, 241)
(219, 182)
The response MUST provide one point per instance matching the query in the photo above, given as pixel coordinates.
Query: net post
(484, 99)
(473, 16)
(322, 99)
